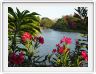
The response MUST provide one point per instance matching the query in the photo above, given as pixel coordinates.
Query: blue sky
(50, 11)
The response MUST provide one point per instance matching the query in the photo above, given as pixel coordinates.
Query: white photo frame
(90, 67)
(94, 37)
(0, 39)
(47, 0)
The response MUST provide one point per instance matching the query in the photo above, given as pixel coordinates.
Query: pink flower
(17, 58)
(26, 36)
(84, 55)
(58, 45)
(41, 40)
(66, 40)
(60, 50)
(77, 42)
(54, 50)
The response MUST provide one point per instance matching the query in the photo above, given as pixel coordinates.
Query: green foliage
(82, 23)
(71, 58)
(60, 24)
(70, 23)
(82, 11)
(80, 46)
(19, 22)
(66, 23)
(46, 22)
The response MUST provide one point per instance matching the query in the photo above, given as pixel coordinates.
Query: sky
(50, 11)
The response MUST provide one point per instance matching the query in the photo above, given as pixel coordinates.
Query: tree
(19, 22)
(65, 23)
(81, 13)
(71, 22)
(60, 24)
(46, 22)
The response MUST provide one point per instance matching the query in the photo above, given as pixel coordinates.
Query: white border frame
(90, 67)
(48, 0)
(95, 37)
(0, 37)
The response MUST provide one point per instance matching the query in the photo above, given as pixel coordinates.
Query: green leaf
(11, 12)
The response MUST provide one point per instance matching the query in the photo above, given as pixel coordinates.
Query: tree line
(70, 23)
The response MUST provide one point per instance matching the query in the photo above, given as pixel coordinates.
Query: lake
(52, 37)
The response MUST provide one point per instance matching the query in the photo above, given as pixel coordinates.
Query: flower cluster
(17, 58)
(67, 40)
(62, 49)
(31, 43)
(26, 36)
(84, 55)
(63, 55)
(39, 39)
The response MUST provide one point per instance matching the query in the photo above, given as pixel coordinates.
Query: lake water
(52, 37)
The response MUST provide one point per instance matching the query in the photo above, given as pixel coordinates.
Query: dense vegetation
(20, 22)
(72, 23)
(25, 28)
(46, 22)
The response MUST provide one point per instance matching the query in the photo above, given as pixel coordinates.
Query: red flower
(41, 40)
(60, 50)
(84, 55)
(26, 36)
(54, 50)
(66, 40)
(17, 58)
(58, 45)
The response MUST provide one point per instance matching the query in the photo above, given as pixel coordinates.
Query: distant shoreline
(71, 31)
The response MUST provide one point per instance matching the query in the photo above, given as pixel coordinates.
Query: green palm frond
(18, 19)
(24, 13)
(18, 13)
(11, 12)
(26, 21)
(31, 17)
(20, 22)
(31, 27)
